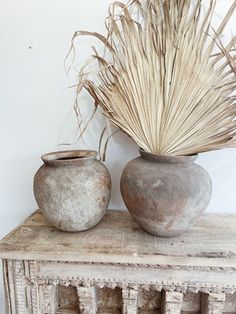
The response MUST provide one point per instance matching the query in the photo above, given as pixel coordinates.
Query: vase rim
(69, 157)
(168, 159)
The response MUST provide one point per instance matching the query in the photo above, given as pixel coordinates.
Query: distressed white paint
(130, 300)
(172, 302)
(63, 272)
(213, 303)
(87, 300)
(35, 104)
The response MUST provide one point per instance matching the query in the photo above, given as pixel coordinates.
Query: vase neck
(168, 159)
(67, 158)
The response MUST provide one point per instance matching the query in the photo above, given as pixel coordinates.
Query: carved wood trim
(130, 300)
(113, 275)
(15, 283)
(213, 303)
(87, 300)
(172, 302)
(29, 290)
(48, 299)
(7, 291)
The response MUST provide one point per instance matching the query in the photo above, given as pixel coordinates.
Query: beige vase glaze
(72, 189)
(165, 195)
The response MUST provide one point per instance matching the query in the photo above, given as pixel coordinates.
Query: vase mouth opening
(62, 158)
(168, 158)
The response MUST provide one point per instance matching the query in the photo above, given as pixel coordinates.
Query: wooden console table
(118, 268)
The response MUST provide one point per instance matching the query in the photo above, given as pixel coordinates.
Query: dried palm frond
(229, 52)
(160, 80)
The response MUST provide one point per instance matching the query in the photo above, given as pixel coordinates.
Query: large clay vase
(165, 194)
(72, 189)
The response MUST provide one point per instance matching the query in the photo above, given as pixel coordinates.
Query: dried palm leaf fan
(160, 80)
(230, 53)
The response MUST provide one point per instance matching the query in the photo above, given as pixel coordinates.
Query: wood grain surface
(119, 239)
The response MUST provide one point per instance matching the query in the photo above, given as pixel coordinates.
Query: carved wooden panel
(109, 300)
(118, 268)
(213, 303)
(230, 304)
(172, 302)
(67, 299)
(191, 303)
(149, 301)
(72, 295)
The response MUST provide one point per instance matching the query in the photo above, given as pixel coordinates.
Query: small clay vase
(165, 194)
(72, 189)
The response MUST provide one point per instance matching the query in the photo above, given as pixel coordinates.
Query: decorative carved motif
(28, 291)
(130, 300)
(114, 276)
(213, 303)
(7, 291)
(153, 266)
(32, 286)
(15, 287)
(48, 298)
(172, 302)
(87, 300)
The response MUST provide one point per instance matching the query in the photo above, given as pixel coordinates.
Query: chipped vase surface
(72, 189)
(165, 194)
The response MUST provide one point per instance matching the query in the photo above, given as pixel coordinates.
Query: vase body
(72, 189)
(165, 194)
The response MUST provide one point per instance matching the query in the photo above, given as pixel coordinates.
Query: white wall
(36, 106)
